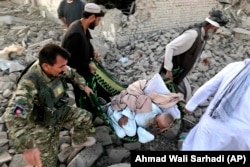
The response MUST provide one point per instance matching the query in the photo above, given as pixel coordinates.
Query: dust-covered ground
(26, 26)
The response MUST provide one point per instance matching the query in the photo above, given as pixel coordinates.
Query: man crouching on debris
(39, 109)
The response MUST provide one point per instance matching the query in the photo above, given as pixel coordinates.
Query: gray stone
(241, 33)
(62, 165)
(18, 161)
(132, 145)
(64, 139)
(2, 126)
(64, 133)
(3, 135)
(5, 157)
(116, 140)
(98, 121)
(116, 155)
(6, 84)
(102, 135)
(3, 141)
(120, 165)
(180, 141)
(87, 156)
(4, 148)
(198, 113)
(173, 131)
(7, 93)
(12, 20)
(223, 48)
(13, 77)
(64, 154)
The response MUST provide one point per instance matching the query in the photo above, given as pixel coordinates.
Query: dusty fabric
(166, 100)
(137, 101)
(232, 94)
(214, 134)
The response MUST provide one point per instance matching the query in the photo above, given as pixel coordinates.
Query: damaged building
(131, 38)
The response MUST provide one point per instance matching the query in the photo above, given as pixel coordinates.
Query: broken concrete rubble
(144, 53)
(12, 20)
(241, 34)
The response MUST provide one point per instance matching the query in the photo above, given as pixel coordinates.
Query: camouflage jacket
(19, 115)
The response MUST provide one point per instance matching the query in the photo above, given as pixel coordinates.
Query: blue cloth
(231, 96)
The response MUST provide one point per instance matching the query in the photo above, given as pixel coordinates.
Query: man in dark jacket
(77, 42)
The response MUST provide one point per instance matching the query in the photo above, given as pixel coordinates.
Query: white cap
(93, 8)
(214, 23)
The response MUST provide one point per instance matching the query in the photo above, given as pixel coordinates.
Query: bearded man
(77, 41)
(182, 53)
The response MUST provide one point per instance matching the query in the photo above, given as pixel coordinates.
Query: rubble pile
(24, 30)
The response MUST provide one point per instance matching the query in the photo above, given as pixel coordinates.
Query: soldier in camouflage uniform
(39, 109)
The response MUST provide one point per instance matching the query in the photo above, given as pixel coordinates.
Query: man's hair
(49, 53)
(165, 119)
(87, 14)
(219, 17)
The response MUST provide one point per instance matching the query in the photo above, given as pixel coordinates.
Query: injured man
(145, 108)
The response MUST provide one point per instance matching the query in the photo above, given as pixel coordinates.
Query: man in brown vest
(182, 53)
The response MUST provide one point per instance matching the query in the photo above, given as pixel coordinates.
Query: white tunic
(213, 134)
(180, 45)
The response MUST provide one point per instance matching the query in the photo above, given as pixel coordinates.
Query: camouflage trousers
(47, 138)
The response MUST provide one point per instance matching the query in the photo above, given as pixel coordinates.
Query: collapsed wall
(149, 15)
(154, 15)
(142, 55)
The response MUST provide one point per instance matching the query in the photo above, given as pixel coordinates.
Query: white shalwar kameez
(214, 134)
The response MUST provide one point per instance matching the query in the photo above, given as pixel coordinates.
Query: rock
(64, 154)
(120, 165)
(5, 157)
(12, 20)
(173, 131)
(241, 33)
(102, 135)
(18, 161)
(87, 156)
(7, 93)
(116, 155)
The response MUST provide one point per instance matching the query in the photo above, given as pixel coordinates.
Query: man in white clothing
(144, 124)
(226, 123)
(182, 53)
